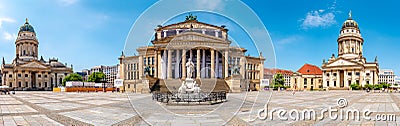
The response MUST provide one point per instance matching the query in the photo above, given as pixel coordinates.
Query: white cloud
(2, 20)
(8, 36)
(318, 19)
(68, 2)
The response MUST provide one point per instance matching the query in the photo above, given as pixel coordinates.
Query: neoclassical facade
(27, 72)
(350, 66)
(206, 45)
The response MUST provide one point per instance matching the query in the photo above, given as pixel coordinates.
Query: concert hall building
(217, 64)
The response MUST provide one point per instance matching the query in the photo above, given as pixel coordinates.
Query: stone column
(262, 69)
(169, 62)
(226, 63)
(203, 64)
(212, 63)
(198, 64)
(140, 66)
(164, 65)
(177, 55)
(217, 64)
(159, 64)
(155, 64)
(183, 63)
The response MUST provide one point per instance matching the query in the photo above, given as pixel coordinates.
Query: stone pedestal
(143, 87)
(234, 83)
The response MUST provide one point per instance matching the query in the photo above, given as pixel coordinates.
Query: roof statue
(191, 17)
(350, 14)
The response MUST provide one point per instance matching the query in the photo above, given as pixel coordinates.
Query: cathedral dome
(350, 23)
(26, 27)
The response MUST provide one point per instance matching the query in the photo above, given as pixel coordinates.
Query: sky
(89, 33)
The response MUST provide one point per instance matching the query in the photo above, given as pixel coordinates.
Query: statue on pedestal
(189, 68)
(189, 84)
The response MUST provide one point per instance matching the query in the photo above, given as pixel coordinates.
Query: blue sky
(87, 33)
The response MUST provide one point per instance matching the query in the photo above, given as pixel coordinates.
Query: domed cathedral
(350, 66)
(27, 72)
(162, 66)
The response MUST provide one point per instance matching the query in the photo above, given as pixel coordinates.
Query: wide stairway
(206, 85)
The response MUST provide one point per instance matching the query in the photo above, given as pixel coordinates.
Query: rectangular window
(349, 73)
(334, 83)
(19, 75)
(327, 83)
(26, 75)
(10, 76)
(305, 81)
(129, 85)
(358, 73)
(39, 75)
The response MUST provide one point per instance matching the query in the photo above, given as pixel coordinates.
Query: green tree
(368, 86)
(72, 77)
(96, 77)
(278, 81)
(355, 86)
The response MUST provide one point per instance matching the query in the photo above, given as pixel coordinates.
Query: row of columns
(26, 49)
(27, 81)
(167, 69)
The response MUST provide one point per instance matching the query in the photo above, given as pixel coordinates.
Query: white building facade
(386, 76)
(350, 66)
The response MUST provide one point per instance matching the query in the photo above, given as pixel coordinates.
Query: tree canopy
(278, 81)
(96, 77)
(72, 77)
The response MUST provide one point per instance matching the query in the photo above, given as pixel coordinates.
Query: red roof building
(309, 69)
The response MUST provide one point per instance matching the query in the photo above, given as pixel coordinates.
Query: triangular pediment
(342, 62)
(34, 64)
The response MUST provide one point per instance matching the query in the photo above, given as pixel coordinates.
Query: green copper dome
(26, 27)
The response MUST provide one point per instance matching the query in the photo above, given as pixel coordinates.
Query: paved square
(48, 108)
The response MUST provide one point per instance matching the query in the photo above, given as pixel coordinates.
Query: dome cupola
(26, 27)
(350, 41)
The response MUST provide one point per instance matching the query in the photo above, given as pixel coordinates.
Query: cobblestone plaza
(47, 108)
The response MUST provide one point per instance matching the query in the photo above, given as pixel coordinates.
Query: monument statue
(189, 86)
(189, 68)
